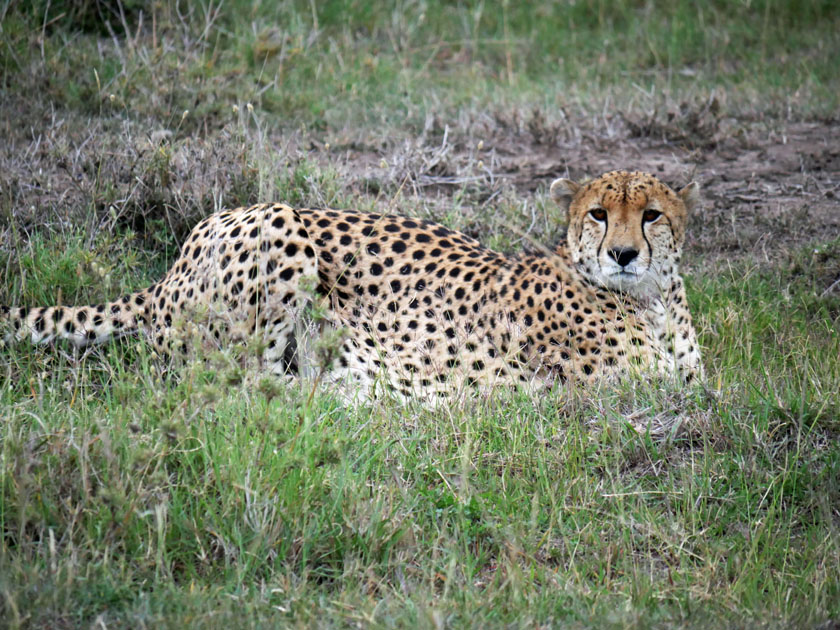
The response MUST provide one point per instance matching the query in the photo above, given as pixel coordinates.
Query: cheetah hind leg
(290, 342)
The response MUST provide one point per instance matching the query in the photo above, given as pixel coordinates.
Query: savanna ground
(134, 497)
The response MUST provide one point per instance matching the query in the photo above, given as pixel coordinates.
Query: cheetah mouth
(626, 276)
(622, 280)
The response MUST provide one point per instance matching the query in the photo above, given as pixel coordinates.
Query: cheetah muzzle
(426, 311)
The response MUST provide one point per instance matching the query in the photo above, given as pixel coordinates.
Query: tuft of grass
(71, 267)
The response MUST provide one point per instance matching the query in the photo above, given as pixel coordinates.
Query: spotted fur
(427, 311)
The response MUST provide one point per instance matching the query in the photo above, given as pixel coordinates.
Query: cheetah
(426, 311)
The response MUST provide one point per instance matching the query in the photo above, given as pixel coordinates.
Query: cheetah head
(626, 230)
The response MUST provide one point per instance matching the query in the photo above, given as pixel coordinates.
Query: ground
(134, 496)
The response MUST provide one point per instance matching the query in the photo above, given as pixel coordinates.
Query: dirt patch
(769, 186)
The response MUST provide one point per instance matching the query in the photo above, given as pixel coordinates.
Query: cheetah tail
(79, 325)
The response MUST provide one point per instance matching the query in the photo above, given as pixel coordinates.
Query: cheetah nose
(623, 255)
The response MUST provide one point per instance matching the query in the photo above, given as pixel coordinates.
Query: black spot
(376, 269)
(287, 274)
(398, 247)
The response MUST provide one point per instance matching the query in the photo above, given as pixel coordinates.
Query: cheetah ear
(690, 196)
(562, 191)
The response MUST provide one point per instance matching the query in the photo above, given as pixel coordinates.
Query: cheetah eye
(599, 214)
(649, 216)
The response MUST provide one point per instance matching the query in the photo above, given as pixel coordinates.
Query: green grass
(132, 495)
(200, 499)
(150, 500)
(327, 64)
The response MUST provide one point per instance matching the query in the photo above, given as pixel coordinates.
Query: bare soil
(771, 186)
(768, 187)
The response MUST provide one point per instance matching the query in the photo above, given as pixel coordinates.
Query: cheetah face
(626, 230)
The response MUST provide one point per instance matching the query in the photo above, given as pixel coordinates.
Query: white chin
(623, 281)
